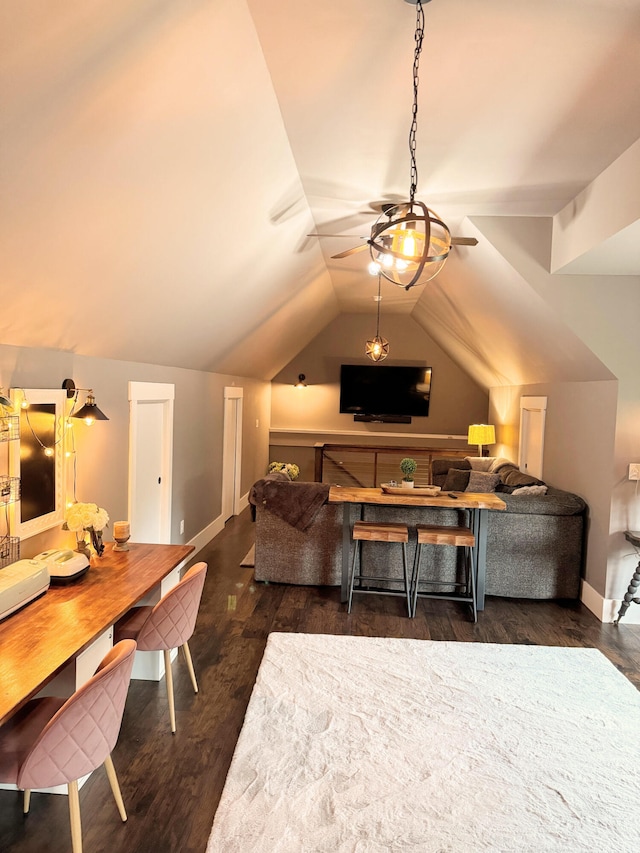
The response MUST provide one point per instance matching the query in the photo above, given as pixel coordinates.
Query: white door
(150, 461)
(147, 511)
(231, 451)
(533, 412)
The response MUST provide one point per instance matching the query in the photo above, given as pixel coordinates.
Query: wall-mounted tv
(385, 392)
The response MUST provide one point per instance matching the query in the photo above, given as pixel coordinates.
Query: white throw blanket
(370, 745)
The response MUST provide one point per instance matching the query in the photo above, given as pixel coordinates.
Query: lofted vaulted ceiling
(162, 163)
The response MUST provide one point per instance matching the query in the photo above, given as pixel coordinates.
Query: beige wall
(578, 450)
(456, 400)
(102, 450)
(604, 312)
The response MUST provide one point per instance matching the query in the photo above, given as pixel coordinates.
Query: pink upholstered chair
(54, 741)
(169, 625)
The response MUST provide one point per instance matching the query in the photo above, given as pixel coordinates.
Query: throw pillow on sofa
(530, 490)
(518, 478)
(457, 480)
(481, 481)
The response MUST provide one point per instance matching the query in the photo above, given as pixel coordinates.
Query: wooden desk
(38, 641)
(477, 503)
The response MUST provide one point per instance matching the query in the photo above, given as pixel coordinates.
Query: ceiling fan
(409, 243)
(405, 236)
(387, 209)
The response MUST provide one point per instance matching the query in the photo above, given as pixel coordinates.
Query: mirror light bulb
(48, 451)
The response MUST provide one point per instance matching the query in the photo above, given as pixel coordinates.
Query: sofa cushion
(457, 480)
(514, 477)
(480, 463)
(555, 502)
(440, 468)
(482, 481)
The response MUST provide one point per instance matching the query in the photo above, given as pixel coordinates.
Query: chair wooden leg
(26, 801)
(115, 787)
(187, 654)
(169, 679)
(74, 816)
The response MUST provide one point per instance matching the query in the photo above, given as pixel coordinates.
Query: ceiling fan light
(409, 246)
(414, 226)
(374, 268)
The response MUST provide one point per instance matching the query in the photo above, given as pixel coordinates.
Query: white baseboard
(206, 534)
(606, 609)
(216, 526)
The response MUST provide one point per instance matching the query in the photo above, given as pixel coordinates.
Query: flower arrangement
(81, 517)
(290, 469)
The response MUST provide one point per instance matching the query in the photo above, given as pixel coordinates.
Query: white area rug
(371, 745)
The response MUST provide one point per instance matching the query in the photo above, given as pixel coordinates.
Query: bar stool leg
(415, 578)
(471, 570)
(407, 588)
(356, 555)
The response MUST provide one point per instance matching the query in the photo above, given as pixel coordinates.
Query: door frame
(529, 404)
(231, 440)
(139, 394)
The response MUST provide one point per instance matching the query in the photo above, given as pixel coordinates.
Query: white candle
(121, 529)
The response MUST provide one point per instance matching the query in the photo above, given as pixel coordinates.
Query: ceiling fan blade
(350, 251)
(464, 241)
(350, 236)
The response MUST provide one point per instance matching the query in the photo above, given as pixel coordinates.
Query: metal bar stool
(459, 537)
(374, 531)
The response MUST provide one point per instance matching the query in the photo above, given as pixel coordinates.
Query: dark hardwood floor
(171, 784)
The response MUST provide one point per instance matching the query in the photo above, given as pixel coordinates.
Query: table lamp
(481, 434)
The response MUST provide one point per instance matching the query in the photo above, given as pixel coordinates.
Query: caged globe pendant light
(409, 243)
(377, 349)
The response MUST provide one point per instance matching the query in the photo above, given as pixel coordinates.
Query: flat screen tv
(384, 392)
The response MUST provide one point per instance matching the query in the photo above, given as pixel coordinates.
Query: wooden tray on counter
(416, 490)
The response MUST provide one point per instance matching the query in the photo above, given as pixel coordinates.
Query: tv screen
(391, 390)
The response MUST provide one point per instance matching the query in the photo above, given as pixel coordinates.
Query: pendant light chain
(419, 34)
(378, 320)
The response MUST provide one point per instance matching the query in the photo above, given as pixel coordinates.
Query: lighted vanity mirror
(38, 460)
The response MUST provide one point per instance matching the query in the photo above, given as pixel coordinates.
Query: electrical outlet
(634, 471)
(182, 526)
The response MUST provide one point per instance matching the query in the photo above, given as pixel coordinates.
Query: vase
(407, 484)
(82, 546)
(96, 541)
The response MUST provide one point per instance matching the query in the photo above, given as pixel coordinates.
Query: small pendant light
(377, 349)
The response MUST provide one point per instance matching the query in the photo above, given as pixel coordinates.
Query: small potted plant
(408, 467)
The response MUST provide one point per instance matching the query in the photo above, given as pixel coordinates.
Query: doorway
(231, 451)
(150, 461)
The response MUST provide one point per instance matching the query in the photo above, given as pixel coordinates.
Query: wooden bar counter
(39, 640)
(477, 503)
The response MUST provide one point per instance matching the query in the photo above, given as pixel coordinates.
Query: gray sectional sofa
(534, 548)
